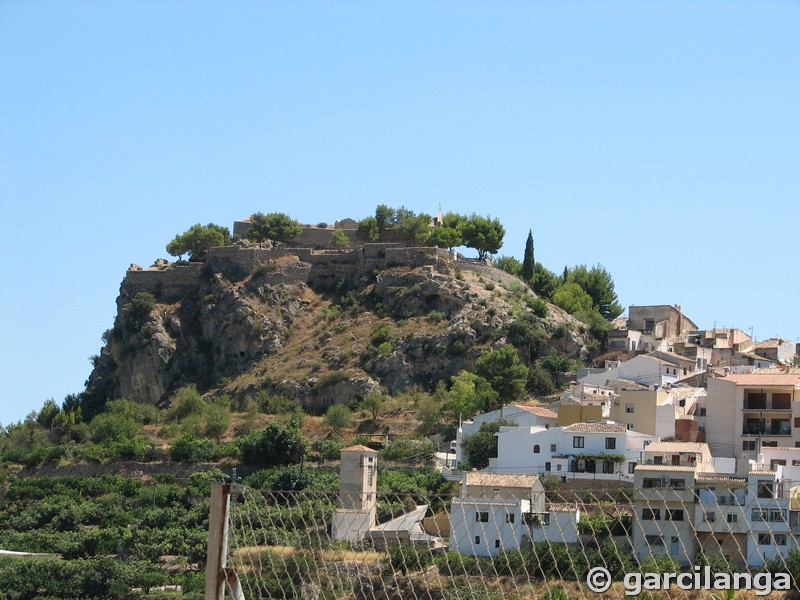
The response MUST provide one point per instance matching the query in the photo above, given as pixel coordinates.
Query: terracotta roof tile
(539, 411)
(358, 448)
(595, 428)
(694, 447)
(760, 378)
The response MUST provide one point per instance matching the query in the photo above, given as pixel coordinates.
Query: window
(497, 543)
(658, 460)
(758, 515)
(608, 466)
(776, 516)
(553, 447)
(654, 540)
(749, 445)
(547, 466)
(677, 484)
(710, 517)
(780, 539)
(651, 483)
(764, 539)
(536, 449)
(629, 426)
(701, 412)
(764, 489)
(477, 540)
(651, 514)
(629, 408)
(782, 401)
(631, 467)
(577, 441)
(509, 517)
(676, 460)
(674, 514)
(797, 421)
(481, 517)
(732, 518)
(611, 443)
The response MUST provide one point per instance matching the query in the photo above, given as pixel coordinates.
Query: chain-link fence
(503, 544)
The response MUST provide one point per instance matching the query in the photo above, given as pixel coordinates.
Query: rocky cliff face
(321, 335)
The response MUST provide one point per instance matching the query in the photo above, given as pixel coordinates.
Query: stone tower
(358, 481)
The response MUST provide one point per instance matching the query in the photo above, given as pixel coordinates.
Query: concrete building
(776, 350)
(647, 411)
(746, 412)
(578, 451)
(521, 415)
(358, 481)
(496, 512)
(644, 370)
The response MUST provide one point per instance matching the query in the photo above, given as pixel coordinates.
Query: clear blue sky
(660, 139)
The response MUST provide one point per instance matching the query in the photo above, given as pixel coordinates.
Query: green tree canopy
(599, 285)
(339, 239)
(338, 417)
(527, 335)
(416, 229)
(482, 446)
(469, 395)
(197, 241)
(545, 282)
(273, 226)
(509, 264)
(277, 444)
(572, 298)
(384, 216)
(483, 234)
(368, 227)
(504, 371)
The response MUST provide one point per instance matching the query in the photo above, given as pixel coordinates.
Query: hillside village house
(749, 517)
(643, 369)
(649, 328)
(581, 450)
(496, 512)
(519, 414)
(746, 412)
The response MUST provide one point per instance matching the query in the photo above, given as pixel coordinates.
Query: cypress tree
(527, 262)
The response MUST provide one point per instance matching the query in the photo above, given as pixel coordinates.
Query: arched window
(536, 449)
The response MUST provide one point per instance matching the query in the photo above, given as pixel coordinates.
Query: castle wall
(167, 284)
(491, 273)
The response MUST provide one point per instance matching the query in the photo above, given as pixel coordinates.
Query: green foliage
(273, 226)
(384, 216)
(276, 444)
(509, 264)
(381, 335)
(469, 395)
(138, 309)
(217, 419)
(436, 316)
(444, 237)
(599, 286)
(415, 229)
(540, 382)
(545, 282)
(408, 558)
(556, 363)
(483, 234)
(110, 427)
(482, 446)
(187, 401)
(339, 239)
(527, 335)
(572, 298)
(368, 228)
(338, 417)
(188, 448)
(528, 263)
(659, 564)
(198, 240)
(277, 405)
(408, 450)
(373, 404)
(329, 449)
(605, 524)
(504, 371)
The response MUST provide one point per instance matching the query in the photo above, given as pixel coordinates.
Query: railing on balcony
(771, 406)
(782, 428)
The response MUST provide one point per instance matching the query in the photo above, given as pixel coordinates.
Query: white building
(581, 450)
(645, 370)
(358, 481)
(507, 512)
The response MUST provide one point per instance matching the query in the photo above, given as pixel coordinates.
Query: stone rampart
(166, 284)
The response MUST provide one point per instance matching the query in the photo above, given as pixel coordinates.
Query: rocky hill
(318, 326)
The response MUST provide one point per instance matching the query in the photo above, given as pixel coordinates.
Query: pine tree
(527, 262)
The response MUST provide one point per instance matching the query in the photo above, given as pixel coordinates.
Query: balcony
(774, 429)
(774, 406)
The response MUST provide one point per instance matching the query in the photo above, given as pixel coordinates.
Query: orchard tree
(484, 235)
(273, 226)
(527, 261)
(198, 240)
